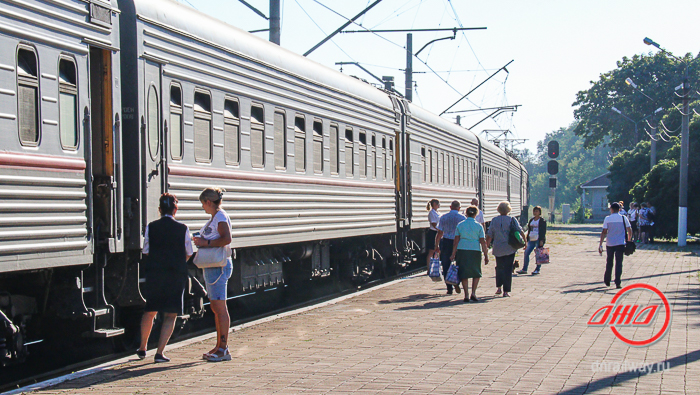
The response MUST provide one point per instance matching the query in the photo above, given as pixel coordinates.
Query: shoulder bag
(211, 256)
(515, 238)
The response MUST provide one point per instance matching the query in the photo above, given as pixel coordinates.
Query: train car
(444, 164)
(107, 105)
(305, 154)
(60, 188)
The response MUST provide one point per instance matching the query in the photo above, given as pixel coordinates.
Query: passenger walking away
(633, 215)
(167, 246)
(499, 232)
(536, 237)
(617, 229)
(480, 215)
(644, 223)
(469, 237)
(217, 233)
(444, 240)
(651, 216)
(433, 218)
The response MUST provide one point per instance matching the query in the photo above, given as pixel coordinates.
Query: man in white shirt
(615, 227)
(480, 215)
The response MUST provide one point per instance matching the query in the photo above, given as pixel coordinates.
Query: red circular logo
(617, 315)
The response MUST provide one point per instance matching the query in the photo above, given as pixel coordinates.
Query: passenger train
(104, 106)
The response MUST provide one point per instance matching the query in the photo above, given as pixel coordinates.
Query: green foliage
(627, 168)
(656, 74)
(577, 165)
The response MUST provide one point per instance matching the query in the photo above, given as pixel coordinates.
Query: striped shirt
(448, 223)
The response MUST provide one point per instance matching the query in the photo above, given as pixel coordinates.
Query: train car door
(152, 141)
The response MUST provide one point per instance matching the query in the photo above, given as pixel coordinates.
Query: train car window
(459, 171)
(431, 164)
(390, 160)
(334, 148)
(280, 140)
(202, 126)
(257, 135)
(28, 96)
(373, 157)
(381, 154)
(363, 154)
(232, 132)
(349, 153)
(317, 144)
(68, 103)
(176, 122)
(153, 115)
(300, 143)
(424, 166)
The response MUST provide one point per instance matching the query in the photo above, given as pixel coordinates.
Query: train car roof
(433, 119)
(207, 28)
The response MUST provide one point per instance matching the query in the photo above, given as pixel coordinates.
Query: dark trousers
(616, 252)
(504, 271)
(446, 246)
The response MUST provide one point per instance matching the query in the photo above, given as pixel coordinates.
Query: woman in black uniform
(167, 247)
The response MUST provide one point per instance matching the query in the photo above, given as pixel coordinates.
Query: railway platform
(409, 337)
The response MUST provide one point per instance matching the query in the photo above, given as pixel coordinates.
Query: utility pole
(685, 143)
(275, 20)
(409, 67)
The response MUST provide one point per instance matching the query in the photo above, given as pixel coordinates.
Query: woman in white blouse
(433, 218)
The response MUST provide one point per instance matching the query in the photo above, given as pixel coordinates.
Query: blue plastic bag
(452, 275)
(434, 272)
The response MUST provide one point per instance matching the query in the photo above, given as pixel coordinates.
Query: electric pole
(409, 67)
(275, 20)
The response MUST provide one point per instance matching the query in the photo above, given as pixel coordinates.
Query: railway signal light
(552, 167)
(553, 149)
(552, 182)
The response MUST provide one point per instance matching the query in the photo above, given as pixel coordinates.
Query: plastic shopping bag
(435, 266)
(452, 275)
(542, 255)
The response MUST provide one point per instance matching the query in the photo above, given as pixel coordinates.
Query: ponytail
(430, 204)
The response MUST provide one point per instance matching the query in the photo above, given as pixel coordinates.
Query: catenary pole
(409, 67)
(275, 22)
(683, 182)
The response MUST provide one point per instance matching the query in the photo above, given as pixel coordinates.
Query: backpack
(650, 215)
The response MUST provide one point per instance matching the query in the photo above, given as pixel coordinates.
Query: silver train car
(107, 105)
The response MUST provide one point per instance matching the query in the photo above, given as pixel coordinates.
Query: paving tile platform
(409, 337)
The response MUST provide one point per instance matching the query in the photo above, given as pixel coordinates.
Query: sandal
(219, 358)
(498, 291)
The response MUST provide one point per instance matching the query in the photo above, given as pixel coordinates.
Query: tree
(656, 74)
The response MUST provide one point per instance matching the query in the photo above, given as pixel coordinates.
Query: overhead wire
(321, 29)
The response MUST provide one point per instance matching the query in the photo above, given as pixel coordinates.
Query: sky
(557, 48)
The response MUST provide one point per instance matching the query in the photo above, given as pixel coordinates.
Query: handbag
(452, 276)
(515, 238)
(211, 256)
(434, 272)
(542, 255)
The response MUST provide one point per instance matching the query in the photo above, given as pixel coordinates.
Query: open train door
(152, 142)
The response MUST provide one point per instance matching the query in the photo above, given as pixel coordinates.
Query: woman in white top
(633, 214)
(217, 233)
(433, 218)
